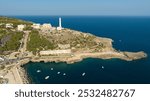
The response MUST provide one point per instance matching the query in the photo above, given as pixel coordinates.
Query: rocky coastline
(77, 57)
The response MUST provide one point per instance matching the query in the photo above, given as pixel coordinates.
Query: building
(36, 26)
(55, 52)
(9, 25)
(46, 27)
(60, 26)
(21, 27)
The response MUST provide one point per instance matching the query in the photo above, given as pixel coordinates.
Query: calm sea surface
(128, 33)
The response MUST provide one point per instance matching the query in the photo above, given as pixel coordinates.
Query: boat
(52, 68)
(46, 77)
(64, 74)
(58, 72)
(38, 71)
(103, 67)
(83, 74)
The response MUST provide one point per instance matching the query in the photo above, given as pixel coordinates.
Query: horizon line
(86, 15)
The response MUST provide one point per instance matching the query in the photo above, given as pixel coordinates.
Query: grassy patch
(14, 43)
(37, 43)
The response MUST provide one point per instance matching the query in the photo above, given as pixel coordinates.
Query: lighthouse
(60, 23)
(60, 26)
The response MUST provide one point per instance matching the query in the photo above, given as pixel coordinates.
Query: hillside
(35, 40)
(14, 21)
(10, 37)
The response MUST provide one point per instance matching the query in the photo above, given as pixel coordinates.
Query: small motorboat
(58, 72)
(46, 77)
(52, 68)
(38, 71)
(103, 67)
(83, 74)
(64, 74)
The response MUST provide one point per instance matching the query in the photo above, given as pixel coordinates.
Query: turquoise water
(134, 33)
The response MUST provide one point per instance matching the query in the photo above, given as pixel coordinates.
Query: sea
(130, 33)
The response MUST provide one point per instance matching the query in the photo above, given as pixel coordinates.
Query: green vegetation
(37, 40)
(9, 37)
(38, 43)
(28, 27)
(83, 42)
(14, 21)
(2, 33)
(14, 42)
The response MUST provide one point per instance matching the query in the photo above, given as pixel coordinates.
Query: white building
(55, 52)
(21, 27)
(46, 27)
(36, 26)
(60, 26)
(9, 25)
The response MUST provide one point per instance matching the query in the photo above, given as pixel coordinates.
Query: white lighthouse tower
(60, 26)
(60, 23)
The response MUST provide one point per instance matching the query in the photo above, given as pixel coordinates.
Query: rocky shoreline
(23, 75)
(128, 56)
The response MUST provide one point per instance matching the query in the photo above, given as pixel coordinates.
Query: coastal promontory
(23, 41)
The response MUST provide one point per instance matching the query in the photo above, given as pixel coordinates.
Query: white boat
(58, 72)
(83, 74)
(52, 68)
(38, 71)
(103, 67)
(46, 77)
(64, 74)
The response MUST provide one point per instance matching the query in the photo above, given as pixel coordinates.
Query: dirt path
(24, 47)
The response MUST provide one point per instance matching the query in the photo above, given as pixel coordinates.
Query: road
(23, 45)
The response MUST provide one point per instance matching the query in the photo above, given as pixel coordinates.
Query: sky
(75, 7)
